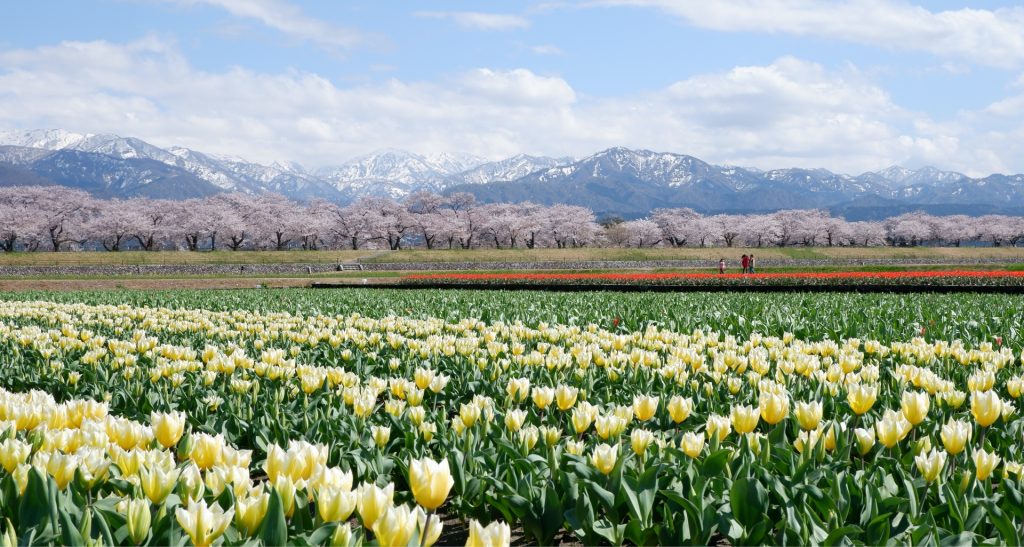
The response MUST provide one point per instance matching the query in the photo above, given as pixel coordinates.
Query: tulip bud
(334, 504)
(138, 520)
(381, 435)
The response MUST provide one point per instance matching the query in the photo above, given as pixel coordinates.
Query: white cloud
(988, 37)
(480, 21)
(788, 113)
(546, 49)
(287, 18)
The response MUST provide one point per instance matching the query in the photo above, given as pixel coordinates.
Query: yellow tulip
(574, 447)
(469, 414)
(203, 523)
(168, 427)
(679, 408)
(565, 397)
(495, 534)
(190, 483)
(381, 434)
(915, 406)
(550, 434)
(207, 450)
(158, 483)
(13, 452)
(514, 420)
(861, 397)
(373, 501)
(423, 377)
(427, 429)
(62, 468)
(692, 444)
(954, 435)
(335, 504)
(250, 511)
(744, 419)
(430, 528)
(930, 464)
(581, 419)
(865, 440)
(892, 428)
(808, 415)
(604, 457)
(529, 436)
(984, 463)
(430, 482)
(608, 426)
(774, 407)
(640, 439)
(806, 440)
(986, 407)
(542, 396)
(416, 414)
(342, 536)
(644, 407)
(718, 426)
(395, 526)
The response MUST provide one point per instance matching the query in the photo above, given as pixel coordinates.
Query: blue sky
(851, 85)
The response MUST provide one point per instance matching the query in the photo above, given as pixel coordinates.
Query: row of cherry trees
(56, 218)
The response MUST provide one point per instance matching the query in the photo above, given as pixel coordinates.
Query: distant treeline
(34, 218)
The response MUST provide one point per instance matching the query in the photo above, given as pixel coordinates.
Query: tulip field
(422, 417)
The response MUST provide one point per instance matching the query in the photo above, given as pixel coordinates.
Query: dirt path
(166, 284)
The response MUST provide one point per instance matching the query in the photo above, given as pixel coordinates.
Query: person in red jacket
(745, 262)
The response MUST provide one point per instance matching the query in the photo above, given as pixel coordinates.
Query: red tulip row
(947, 277)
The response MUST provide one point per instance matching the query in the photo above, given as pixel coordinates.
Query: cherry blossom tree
(676, 224)
(20, 216)
(111, 225)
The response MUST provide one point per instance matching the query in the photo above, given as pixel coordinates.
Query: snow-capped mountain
(614, 181)
(512, 168)
(633, 182)
(396, 173)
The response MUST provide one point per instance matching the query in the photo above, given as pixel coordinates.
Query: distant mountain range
(617, 181)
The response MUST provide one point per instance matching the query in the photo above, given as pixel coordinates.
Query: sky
(847, 85)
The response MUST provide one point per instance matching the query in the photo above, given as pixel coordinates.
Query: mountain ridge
(616, 181)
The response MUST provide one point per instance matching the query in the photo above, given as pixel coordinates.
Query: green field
(502, 255)
(887, 317)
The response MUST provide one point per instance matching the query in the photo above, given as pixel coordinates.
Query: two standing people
(748, 264)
